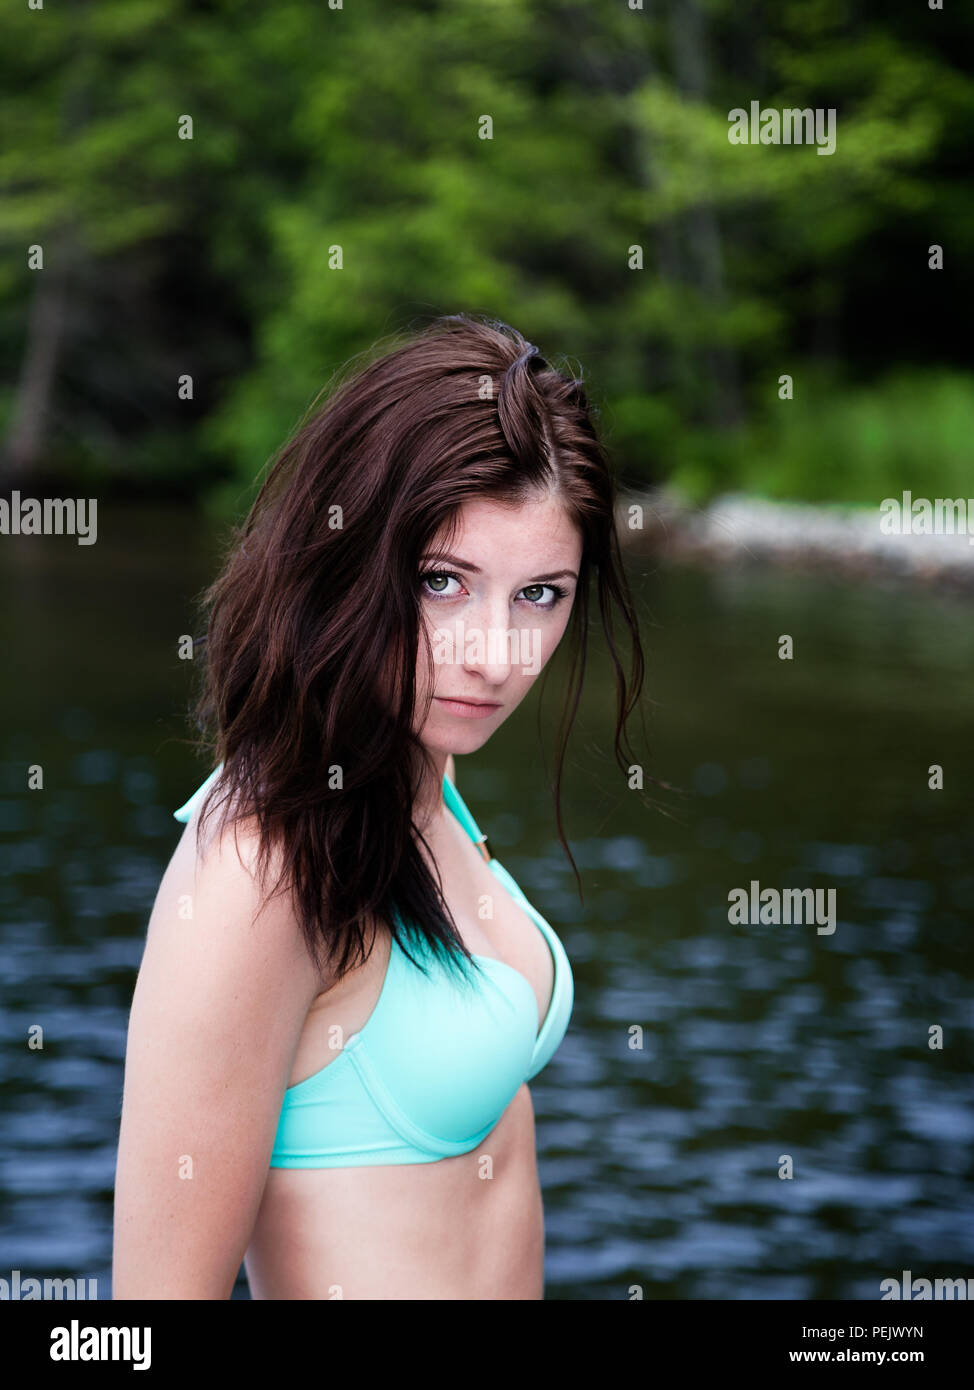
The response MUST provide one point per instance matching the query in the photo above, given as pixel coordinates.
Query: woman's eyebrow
(475, 569)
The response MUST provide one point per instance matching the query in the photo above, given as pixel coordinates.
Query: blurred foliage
(911, 431)
(358, 127)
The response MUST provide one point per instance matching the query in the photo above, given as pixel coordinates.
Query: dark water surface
(760, 1043)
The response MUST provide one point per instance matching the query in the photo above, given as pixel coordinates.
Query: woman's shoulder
(229, 890)
(224, 844)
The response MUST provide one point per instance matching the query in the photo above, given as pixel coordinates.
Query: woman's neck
(428, 801)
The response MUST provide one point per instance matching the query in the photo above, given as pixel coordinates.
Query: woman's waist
(465, 1217)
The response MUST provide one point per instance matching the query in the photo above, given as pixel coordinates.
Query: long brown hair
(317, 611)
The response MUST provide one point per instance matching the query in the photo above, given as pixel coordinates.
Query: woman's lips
(467, 709)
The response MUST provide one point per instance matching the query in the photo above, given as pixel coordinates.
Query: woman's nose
(489, 642)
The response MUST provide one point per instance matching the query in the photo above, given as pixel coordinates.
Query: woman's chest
(491, 921)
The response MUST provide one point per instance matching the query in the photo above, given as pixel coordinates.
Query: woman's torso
(468, 1226)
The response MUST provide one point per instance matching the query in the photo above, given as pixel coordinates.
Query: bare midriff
(469, 1227)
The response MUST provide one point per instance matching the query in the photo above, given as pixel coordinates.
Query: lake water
(762, 1046)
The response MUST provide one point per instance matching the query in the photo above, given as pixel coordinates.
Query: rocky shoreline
(845, 540)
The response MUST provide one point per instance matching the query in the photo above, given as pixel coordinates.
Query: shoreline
(798, 535)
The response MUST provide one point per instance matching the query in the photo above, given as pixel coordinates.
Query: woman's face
(496, 603)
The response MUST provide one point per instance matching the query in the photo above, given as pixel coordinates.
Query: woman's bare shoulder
(220, 878)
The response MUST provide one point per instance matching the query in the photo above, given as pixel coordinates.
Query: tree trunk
(690, 39)
(26, 441)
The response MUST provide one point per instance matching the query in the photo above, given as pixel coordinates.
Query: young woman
(343, 994)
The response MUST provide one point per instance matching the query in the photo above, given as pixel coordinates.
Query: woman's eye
(533, 593)
(437, 583)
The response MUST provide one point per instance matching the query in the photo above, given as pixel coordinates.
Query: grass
(911, 431)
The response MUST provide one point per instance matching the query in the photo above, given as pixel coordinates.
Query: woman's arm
(218, 1008)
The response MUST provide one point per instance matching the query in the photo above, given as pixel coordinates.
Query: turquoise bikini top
(438, 1061)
